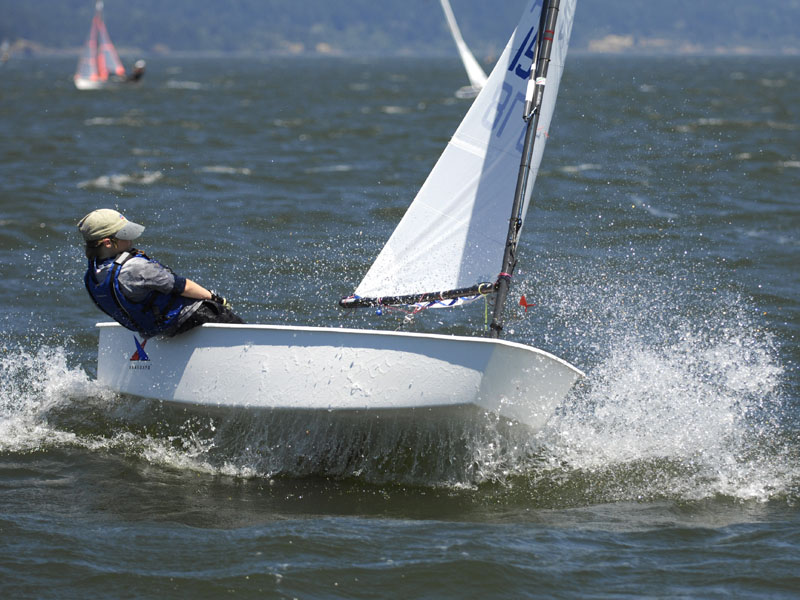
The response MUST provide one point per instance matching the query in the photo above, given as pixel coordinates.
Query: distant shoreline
(610, 45)
(199, 55)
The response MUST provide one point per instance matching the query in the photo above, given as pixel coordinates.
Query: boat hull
(332, 369)
(95, 84)
(468, 92)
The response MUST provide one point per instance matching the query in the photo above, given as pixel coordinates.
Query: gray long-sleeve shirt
(140, 276)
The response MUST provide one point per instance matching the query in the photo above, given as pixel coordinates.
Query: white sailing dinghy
(455, 237)
(99, 65)
(475, 74)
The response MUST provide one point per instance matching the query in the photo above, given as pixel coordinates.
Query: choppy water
(662, 255)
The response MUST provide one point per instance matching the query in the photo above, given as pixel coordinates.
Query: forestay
(453, 235)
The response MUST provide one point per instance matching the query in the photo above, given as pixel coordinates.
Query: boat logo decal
(140, 354)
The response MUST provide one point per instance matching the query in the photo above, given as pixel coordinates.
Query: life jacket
(156, 314)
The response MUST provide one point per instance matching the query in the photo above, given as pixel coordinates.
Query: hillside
(366, 27)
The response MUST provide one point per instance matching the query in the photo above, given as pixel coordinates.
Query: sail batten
(453, 235)
(469, 147)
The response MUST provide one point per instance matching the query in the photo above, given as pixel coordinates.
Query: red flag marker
(524, 302)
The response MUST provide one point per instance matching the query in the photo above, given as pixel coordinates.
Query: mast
(533, 104)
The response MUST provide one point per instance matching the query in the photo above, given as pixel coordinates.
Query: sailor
(138, 292)
(138, 71)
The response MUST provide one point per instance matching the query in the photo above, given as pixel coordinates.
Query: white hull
(467, 92)
(94, 84)
(330, 369)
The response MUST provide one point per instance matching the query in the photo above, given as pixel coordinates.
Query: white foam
(330, 169)
(579, 168)
(395, 110)
(132, 119)
(31, 384)
(184, 85)
(118, 181)
(225, 170)
(673, 407)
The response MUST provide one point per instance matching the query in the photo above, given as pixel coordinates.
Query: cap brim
(130, 231)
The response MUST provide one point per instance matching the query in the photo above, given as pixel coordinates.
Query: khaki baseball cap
(105, 223)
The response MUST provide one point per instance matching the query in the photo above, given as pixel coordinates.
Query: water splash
(684, 398)
(685, 411)
(31, 384)
(45, 404)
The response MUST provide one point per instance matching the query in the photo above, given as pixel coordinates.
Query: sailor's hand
(221, 301)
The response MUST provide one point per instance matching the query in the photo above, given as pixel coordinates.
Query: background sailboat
(453, 238)
(5, 52)
(476, 75)
(99, 65)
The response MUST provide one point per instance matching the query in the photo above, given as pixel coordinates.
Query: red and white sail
(99, 63)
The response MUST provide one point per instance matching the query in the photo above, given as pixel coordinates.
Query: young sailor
(138, 71)
(138, 292)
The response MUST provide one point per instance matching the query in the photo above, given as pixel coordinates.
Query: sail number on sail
(510, 103)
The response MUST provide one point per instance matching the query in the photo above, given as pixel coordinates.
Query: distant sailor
(138, 71)
(138, 292)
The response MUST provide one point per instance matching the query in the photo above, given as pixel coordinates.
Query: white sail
(453, 234)
(475, 73)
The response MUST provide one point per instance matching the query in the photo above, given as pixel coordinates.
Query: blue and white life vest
(156, 314)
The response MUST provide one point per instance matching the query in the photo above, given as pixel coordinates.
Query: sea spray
(683, 397)
(31, 384)
(691, 415)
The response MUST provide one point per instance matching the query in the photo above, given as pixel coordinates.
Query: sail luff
(87, 63)
(533, 104)
(109, 52)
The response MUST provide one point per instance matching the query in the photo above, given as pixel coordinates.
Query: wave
(118, 182)
(330, 169)
(174, 84)
(225, 170)
(130, 120)
(580, 168)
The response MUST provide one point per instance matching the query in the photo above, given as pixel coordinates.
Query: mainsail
(475, 74)
(99, 59)
(452, 239)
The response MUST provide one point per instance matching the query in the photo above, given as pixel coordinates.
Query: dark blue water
(661, 253)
